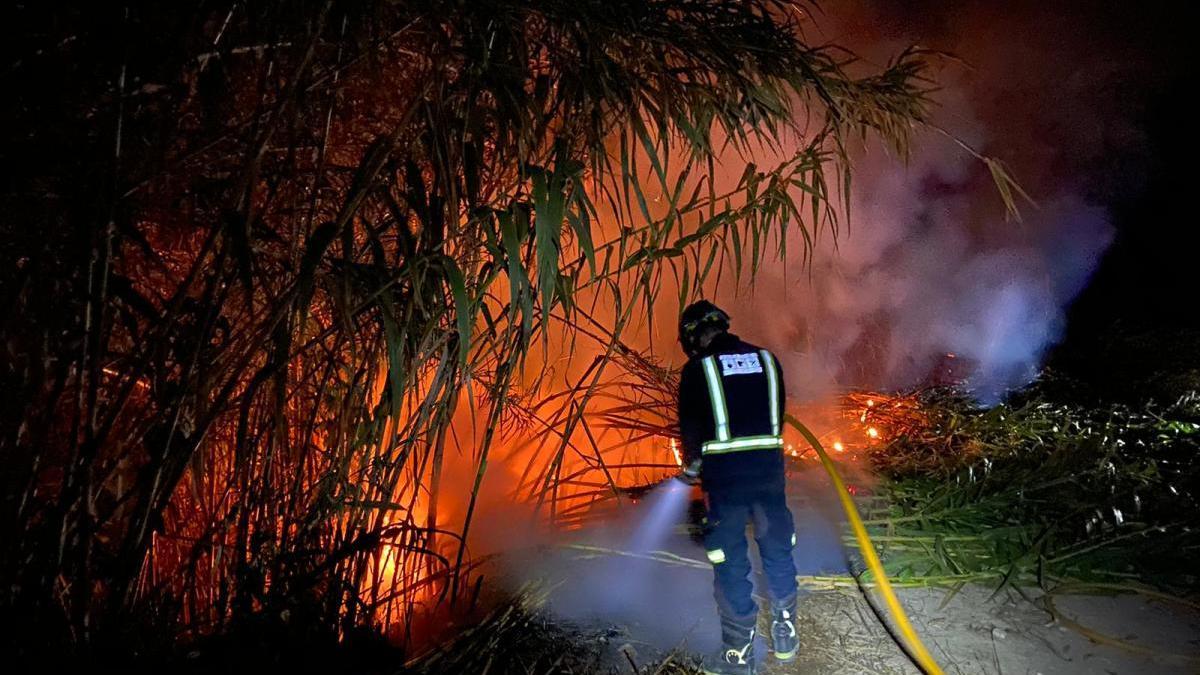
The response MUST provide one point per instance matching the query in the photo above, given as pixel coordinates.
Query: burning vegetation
(286, 280)
(304, 297)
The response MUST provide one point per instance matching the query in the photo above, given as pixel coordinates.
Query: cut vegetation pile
(1035, 491)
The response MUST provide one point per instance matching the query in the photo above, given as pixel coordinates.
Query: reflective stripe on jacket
(730, 409)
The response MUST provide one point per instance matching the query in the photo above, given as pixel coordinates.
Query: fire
(838, 446)
(883, 416)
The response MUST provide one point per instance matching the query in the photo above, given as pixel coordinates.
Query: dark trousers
(729, 511)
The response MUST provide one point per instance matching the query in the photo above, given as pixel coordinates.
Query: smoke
(930, 280)
(644, 588)
(915, 283)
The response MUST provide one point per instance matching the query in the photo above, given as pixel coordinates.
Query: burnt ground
(639, 610)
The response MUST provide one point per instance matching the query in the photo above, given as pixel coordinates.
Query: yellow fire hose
(913, 642)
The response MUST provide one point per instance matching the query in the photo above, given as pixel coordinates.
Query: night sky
(1125, 69)
(1089, 97)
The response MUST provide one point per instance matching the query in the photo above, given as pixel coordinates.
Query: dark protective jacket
(730, 414)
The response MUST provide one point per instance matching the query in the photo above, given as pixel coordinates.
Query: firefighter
(730, 412)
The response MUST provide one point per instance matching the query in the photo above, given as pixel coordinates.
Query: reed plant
(260, 260)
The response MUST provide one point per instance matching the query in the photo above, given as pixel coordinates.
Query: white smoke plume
(930, 279)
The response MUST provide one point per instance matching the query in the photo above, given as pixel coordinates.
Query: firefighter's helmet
(696, 319)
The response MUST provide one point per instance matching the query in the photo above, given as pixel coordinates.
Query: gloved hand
(691, 473)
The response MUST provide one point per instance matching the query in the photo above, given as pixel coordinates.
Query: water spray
(632, 589)
(665, 507)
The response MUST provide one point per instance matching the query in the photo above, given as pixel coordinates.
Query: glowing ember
(837, 446)
(873, 432)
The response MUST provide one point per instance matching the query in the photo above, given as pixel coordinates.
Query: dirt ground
(973, 633)
(651, 607)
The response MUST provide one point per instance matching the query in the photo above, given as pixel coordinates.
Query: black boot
(736, 657)
(784, 640)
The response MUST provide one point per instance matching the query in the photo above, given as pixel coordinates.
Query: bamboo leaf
(314, 249)
(463, 307)
(581, 223)
(519, 291)
(548, 201)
